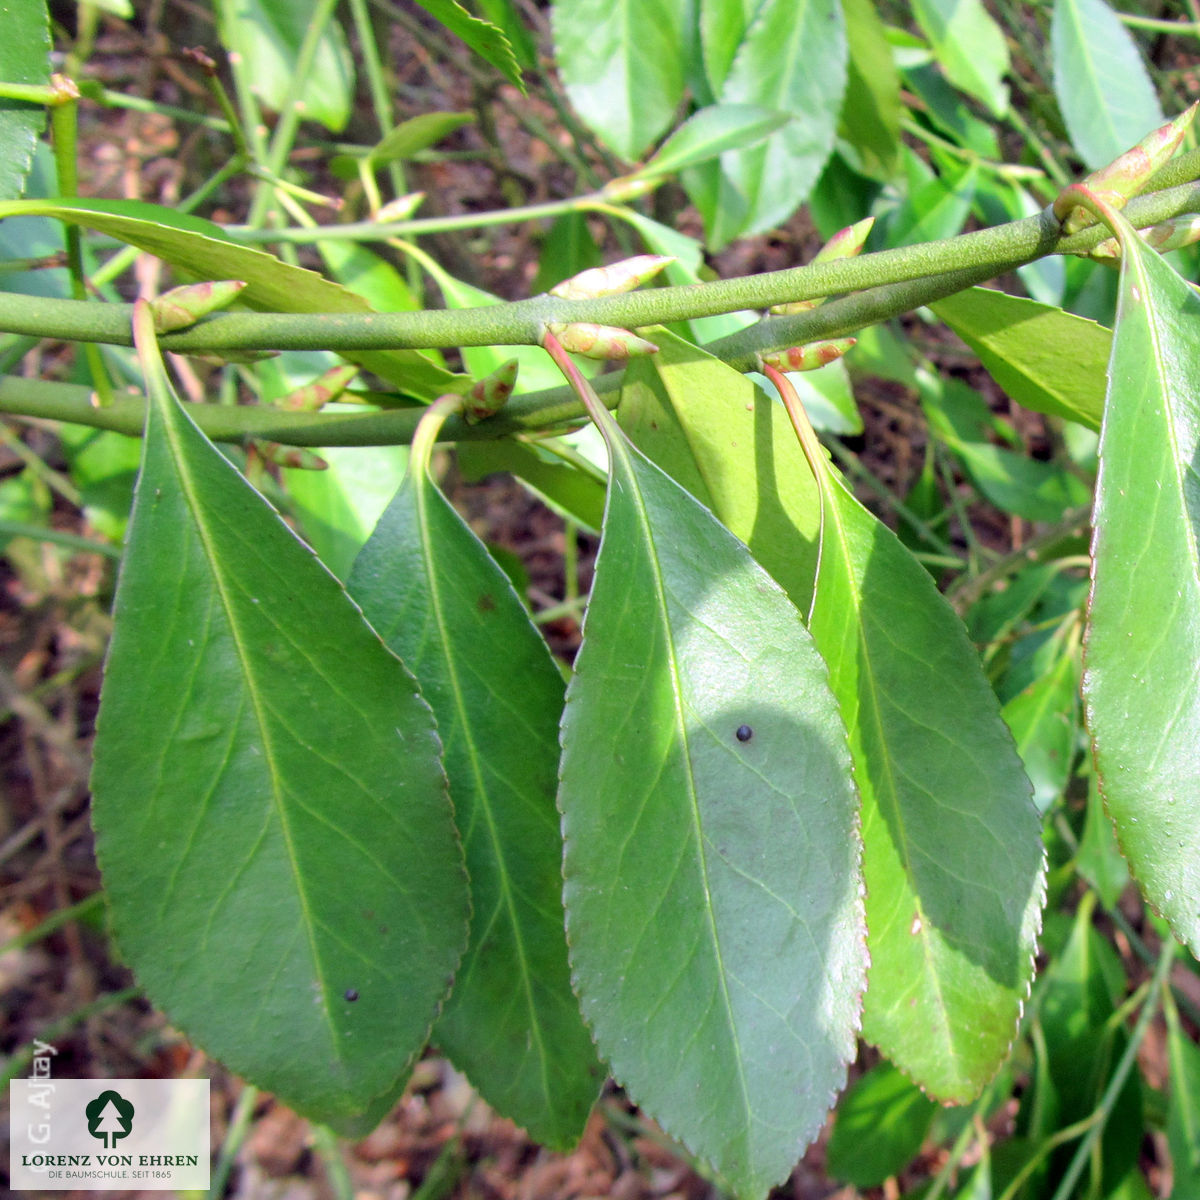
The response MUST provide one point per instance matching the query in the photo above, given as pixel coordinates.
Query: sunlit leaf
(25, 59)
(712, 889)
(1141, 684)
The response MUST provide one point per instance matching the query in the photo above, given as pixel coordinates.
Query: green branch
(973, 256)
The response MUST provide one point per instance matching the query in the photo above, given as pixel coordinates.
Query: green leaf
(937, 209)
(723, 25)
(730, 444)
(202, 249)
(712, 890)
(1100, 81)
(952, 855)
(568, 249)
(438, 599)
(270, 809)
(871, 110)
(481, 36)
(970, 47)
(1099, 859)
(25, 59)
(880, 1124)
(792, 59)
(1045, 725)
(268, 35)
(622, 63)
(1141, 689)
(710, 133)
(505, 17)
(1183, 1108)
(417, 133)
(1047, 360)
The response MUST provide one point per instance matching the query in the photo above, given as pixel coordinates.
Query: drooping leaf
(970, 47)
(203, 250)
(730, 445)
(1100, 81)
(792, 59)
(417, 133)
(483, 37)
(871, 111)
(439, 600)
(1046, 359)
(278, 848)
(709, 133)
(952, 855)
(712, 889)
(880, 1124)
(622, 63)
(267, 34)
(25, 59)
(1141, 686)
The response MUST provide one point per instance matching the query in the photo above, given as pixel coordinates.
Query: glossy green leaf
(713, 899)
(1047, 360)
(709, 133)
(202, 249)
(438, 599)
(1183, 1109)
(730, 444)
(267, 34)
(880, 1124)
(792, 59)
(25, 59)
(265, 864)
(952, 852)
(417, 133)
(622, 63)
(871, 111)
(970, 47)
(1141, 687)
(1100, 81)
(483, 37)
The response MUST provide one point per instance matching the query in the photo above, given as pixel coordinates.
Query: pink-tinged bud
(846, 243)
(295, 457)
(312, 397)
(612, 280)
(600, 341)
(1128, 173)
(808, 358)
(399, 209)
(184, 306)
(64, 88)
(487, 397)
(1170, 235)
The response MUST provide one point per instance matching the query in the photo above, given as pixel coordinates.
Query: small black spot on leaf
(351, 994)
(744, 733)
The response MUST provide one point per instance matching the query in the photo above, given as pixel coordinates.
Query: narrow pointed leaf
(278, 849)
(483, 37)
(1100, 81)
(711, 132)
(712, 889)
(512, 1023)
(952, 851)
(417, 133)
(1183, 1109)
(1141, 684)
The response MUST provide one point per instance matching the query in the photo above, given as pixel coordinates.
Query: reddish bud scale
(612, 280)
(312, 397)
(1170, 235)
(808, 358)
(184, 306)
(489, 396)
(601, 341)
(1128, 173)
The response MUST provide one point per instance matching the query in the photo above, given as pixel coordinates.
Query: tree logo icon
(109, 1117)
